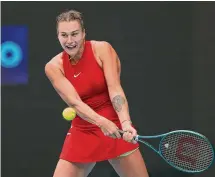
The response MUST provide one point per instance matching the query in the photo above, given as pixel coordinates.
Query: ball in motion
(69, 113)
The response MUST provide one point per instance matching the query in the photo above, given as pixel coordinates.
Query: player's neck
(74, 60)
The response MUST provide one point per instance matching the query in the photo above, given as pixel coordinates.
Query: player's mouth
(71, 47)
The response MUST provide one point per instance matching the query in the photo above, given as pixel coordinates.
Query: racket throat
(149, 145)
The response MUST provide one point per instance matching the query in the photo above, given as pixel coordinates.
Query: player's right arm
(68, 93)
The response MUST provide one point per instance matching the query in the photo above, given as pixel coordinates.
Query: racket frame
(140, 138)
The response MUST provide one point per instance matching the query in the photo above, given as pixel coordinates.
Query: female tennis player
(86, 75)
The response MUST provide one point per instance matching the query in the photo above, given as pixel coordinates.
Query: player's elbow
(47, 69)
(50, 70)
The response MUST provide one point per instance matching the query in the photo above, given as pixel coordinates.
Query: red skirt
(92, 146)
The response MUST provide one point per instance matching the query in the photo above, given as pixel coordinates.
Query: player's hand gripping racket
(184, 150)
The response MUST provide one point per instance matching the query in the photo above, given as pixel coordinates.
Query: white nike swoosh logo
(77, 74)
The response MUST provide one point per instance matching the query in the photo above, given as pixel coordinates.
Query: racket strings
(187, 151)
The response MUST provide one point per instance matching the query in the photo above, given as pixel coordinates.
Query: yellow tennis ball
(69, 113)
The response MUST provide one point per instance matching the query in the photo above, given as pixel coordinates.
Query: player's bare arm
(112, 69)
(68, 93)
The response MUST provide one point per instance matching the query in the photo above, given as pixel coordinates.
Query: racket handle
(136, 138)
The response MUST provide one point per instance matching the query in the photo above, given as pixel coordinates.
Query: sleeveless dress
(85, 142)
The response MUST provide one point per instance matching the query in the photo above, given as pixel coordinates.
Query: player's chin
(71, 53)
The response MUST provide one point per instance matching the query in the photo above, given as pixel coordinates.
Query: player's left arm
(112, 68)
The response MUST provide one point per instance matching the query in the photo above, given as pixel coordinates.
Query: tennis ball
(69, 113)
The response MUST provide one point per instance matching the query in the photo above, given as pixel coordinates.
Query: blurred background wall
(167, 51)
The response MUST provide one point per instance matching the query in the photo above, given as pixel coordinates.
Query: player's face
(71, 37)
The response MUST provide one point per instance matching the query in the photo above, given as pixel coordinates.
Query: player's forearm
(82, 109)
(120, 103)
(86, 113)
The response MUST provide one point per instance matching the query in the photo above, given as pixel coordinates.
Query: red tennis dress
(85, 142)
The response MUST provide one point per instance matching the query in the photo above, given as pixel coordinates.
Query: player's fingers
(134, 133)
(117, 134)
(126, 136)
(111, 134)
(133, 141)
(130, 137)
(106, 132)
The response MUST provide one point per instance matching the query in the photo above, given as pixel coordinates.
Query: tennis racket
(184, 150)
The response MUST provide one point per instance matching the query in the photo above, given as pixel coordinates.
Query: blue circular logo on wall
(11, 54)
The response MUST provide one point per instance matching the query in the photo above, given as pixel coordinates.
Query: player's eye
(64, 35)
(74, 34)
